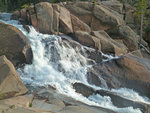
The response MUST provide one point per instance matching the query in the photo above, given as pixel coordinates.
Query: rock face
(14, 45)
(78, 25)
(98, 17)
(65, 21)
(61, 104)
(21, 101)
(44, 12)
(81, 18)
(71, 17)
(100, 40)
(10, 82)
(126, 71)
(126, 34)
(115, 5)
(107, 16)
(88, 40)
(108, 45)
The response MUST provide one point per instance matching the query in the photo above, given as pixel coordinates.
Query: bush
(147, 30)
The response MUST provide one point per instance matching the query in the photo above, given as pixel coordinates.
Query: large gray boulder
(10, 82)
(15, 45)
(127, 71)
(44, 13)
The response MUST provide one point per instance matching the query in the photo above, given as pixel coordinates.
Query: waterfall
(57, 63)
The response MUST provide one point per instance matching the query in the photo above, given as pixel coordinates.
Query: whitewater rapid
(61, 65)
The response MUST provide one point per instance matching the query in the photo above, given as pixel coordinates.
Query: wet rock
(16, 15)
(94, 55)
(71, 105)
(121, 102)
(89, 53)
(26, 28)
(10, 82)
(116, 99)
(127, 71)
(93, 79)
(83, 89)
(23, 14)
(14, 45)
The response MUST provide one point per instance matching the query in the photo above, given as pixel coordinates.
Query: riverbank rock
(83, 89)
(67, 104)
(127, 71)
(10, 82)
(16, 109)
(14, 45)
(20, 101)
(116, 99)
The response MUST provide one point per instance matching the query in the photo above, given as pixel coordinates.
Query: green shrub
(147, 30)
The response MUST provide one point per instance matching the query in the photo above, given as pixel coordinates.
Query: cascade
(59, 64)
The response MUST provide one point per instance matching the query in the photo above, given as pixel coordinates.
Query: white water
(60, 65)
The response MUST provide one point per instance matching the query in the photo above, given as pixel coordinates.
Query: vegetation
(147, 30)
(12, 106)
(141, 10)
(30, 105)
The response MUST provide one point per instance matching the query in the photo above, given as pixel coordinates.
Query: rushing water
(59, 64)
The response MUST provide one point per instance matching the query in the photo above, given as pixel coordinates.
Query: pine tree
(141, 9)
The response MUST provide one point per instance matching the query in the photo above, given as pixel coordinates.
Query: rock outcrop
(100, 40)
(116, 99)
(86, 17)
(10, 82)
(85, 14)
(98, 17)
(127, 71)
(126, 34)
(14, 45)
(44, 14)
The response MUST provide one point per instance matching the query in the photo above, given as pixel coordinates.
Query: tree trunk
(141, 27)
(6, 3)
